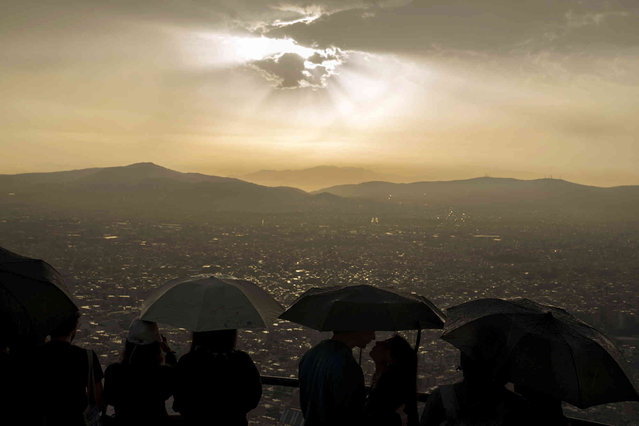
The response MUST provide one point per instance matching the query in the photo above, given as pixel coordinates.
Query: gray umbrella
(543, 348)
(362, 307)
(211, 303)
(33, 298)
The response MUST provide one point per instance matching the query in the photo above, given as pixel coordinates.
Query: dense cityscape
(112, 265)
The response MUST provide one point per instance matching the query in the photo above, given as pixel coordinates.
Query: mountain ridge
(149, 189)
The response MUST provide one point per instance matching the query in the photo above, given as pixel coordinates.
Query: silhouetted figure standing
(331, 381)
(138, 386)
(392, 399)
(480, 399)
(60, 377)
(217, 385)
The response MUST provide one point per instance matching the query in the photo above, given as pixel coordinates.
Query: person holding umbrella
(392, 398)
(331, 381)
(216, 383)
(64, 376)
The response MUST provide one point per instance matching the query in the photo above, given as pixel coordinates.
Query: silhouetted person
(480, 399)
(60, 377)
(392, 399)
(331, 381)
(138, 386)
(217, 385)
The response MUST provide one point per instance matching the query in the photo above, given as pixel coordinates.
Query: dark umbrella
(33, 298)
(543, 348)
(362, 307)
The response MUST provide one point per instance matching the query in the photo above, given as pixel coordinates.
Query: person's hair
(404, 360)
(216, 340)
(67, 326)
(150, 354)
(402, 353)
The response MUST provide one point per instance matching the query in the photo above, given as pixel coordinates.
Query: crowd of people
(59, 383)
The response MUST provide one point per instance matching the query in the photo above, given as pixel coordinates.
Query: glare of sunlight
(370, 89)
(211, 49)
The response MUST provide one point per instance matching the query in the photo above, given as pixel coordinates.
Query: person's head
(396, 351)
(142, 346)
(352, 339)
(67, 328)
(216, 340)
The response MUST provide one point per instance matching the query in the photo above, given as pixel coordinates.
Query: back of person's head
(142, 355)
(142, 345)
(215, 341)
(67, 327)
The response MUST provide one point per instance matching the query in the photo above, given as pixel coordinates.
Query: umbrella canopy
(362, 307)
(543, 348)
(33, 298)
(210, 303)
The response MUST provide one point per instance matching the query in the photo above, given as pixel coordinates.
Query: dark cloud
(285, 71)
(292, 71)
(488, 26)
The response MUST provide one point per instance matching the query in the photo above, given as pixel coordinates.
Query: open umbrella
(211, 303)
(362, 307)
(543, 348)
(33, 298)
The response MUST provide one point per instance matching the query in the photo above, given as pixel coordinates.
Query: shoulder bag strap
(90, 379)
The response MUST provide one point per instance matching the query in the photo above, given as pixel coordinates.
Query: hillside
(502, 196)
(313, 178)
(148, 189)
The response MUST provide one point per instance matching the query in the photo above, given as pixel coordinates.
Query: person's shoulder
(114, 369)
(240, 355)
(330, 346)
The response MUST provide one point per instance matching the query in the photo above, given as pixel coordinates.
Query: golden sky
(431, 89)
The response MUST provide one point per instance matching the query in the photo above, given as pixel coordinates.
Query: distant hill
(313, 178)
(148, 189)
(502, 196)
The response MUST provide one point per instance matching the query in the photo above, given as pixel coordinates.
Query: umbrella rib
(574, 362)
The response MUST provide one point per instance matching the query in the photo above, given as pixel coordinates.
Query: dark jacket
(394, 388)
(60, 380)
(331, 386)
(138, 392)
(216, 388)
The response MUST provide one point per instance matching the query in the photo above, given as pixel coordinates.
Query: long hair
(404, 361)
(142, 355)
(215, 341)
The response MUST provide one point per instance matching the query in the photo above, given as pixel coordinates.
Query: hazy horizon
(315, 179)
(426, 89)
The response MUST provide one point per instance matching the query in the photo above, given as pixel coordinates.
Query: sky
(429, 89)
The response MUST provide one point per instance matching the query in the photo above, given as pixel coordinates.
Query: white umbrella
(211, 303)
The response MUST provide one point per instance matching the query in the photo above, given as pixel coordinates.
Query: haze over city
(423, 90)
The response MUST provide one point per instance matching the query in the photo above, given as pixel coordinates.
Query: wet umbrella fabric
(33, 298)
(543, 348)
(211, 303)
(362, 307)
